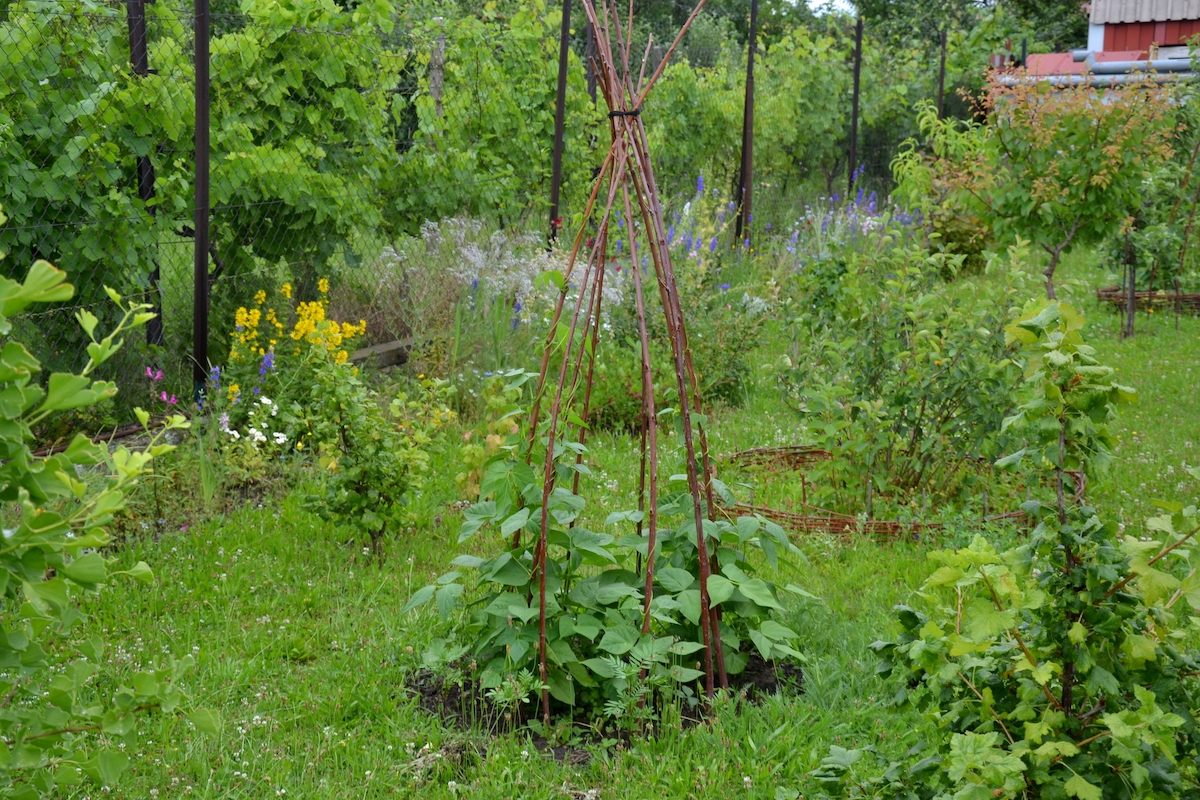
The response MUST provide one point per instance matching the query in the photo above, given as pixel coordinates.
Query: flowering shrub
(58, 728)
(265, 395)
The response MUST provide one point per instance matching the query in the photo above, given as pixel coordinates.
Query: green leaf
(720, 589)
(72, 391)
(586, 625)
(762, 643)
(561, 686)
(206, 721)
(141, 573)
(685, 648)
(515, 522)
(619, 639)
(88, 570)
(420, 597)
(759, 592)
(689, 605)
(684, 674)
(776, 632)
(674, 579)
(1078, 787)
(601, 666)
(984, 621)
(108, 765)
(447, 599)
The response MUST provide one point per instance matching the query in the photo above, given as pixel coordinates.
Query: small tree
(1058, 166)
(1067, 163)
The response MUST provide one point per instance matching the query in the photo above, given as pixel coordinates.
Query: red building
(1142, 25)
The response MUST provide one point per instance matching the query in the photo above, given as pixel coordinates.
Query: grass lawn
(303, 651)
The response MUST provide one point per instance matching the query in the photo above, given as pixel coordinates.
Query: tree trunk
(1049, 273)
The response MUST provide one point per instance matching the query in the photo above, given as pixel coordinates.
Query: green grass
(303, 651)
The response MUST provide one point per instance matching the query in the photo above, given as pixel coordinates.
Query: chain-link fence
(331, 134)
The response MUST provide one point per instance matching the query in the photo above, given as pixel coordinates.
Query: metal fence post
(589, 55)
(560, 112)
(745, 191)
(135, 11)
(942, 78)
(852, 166)
(200, 264)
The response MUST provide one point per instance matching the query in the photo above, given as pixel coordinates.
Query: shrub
(903, 380)
(1063, 667)
(371, 452)
(58, 727)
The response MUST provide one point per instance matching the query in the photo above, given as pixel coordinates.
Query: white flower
(256, 435)
(234, 434)
(747, 782)
(280, 437)
(266, 401)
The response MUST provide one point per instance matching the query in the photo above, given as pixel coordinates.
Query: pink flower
(152, 375)
(172, 400)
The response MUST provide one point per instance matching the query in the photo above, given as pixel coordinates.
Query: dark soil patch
(761, 679)
(465, 705)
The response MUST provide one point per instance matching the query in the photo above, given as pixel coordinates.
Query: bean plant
(607, 613)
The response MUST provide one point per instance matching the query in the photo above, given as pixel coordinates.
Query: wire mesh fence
(331, 134)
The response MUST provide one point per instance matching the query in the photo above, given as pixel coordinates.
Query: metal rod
(852, 166)
(746, 173)
(135, 11)
(1131, 298)
(560, 111)
(942, 79)
(588, 66)
(200, 265)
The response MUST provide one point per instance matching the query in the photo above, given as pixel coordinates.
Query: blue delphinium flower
(712, 246)
(700, 184)
(724, 287)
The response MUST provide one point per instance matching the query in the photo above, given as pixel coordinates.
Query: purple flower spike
(724, 287)
(712, 246)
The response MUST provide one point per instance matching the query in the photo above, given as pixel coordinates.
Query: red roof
(1062, 63)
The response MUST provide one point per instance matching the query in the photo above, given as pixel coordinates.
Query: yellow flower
(260, 297)
(233, 391)
(299, 445)
(323, 285)
(286, 290)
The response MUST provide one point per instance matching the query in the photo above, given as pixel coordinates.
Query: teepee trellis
(627, 179)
